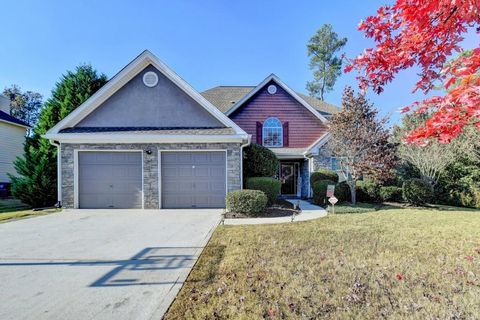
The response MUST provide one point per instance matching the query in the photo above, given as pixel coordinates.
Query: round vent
(150, 79)
(272, 89)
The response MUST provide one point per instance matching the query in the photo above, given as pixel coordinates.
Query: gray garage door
(109, 179)
(193, 179)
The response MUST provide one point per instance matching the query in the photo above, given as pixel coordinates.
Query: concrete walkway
(309, 212)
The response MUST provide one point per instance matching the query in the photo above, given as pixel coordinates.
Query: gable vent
(150, 79)
(272, 89)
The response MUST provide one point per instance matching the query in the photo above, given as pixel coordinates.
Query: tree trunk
(353, 191)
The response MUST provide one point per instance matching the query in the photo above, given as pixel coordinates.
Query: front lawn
(396, 263)
(6, 216)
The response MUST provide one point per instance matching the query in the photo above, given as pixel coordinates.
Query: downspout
(249, 140)
(59, 172)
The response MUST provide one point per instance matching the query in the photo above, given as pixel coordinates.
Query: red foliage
(400, 277)
(426, 33)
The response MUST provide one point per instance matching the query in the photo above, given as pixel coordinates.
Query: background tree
(360, 141)
(430, 159)
(326, 66)
(25, 106)
(36, 183)
(425, 33)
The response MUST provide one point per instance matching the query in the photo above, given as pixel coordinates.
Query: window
(272, 133)
(335, 164)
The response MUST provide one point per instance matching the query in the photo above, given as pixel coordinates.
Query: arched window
(272, 133)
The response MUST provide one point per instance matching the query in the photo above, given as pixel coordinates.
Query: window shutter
(259, 133)
(285, 134)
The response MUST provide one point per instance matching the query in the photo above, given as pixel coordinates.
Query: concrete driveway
(99, 264)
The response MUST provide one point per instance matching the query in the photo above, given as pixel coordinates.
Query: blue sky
(208, 43)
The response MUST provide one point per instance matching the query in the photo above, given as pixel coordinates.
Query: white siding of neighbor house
(12, 138)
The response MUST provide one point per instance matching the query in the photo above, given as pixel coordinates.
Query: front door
(288, 176)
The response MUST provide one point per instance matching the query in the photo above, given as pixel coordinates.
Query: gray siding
(136, 105)
(150, 166)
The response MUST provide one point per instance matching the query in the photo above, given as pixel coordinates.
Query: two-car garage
(186, 179)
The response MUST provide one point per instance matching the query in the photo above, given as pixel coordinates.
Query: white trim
(75, 171)
(143, 138)
(279, 82)
(126, 74)
(271, 127)
(187, 150)
(319, 143)
(15, 124)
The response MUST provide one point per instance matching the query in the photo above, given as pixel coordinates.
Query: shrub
(251, 202)
(417, 191)
(323, 174)
(259, 161)
(367, 191)
(390, 193)
(270, 186)
(320, 191)
(342, 192)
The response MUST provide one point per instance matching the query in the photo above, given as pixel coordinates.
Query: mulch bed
(281, 208)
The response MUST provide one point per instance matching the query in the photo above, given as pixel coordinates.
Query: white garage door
(193, 179)
(109, 180)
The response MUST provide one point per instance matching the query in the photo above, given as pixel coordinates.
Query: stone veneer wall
(150, 166)
(321, 161)
(304, 179)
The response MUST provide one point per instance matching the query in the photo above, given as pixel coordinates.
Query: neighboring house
(12, 138)
(292, 125)
(148, 140)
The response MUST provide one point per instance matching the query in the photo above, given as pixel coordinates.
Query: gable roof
(225, 97)
(5, 117)
(121, 78)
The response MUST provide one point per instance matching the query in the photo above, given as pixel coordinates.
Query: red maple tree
(426, 33)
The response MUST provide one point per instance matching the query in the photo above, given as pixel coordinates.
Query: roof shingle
(224, 97)
(8, 118)
(152, 130)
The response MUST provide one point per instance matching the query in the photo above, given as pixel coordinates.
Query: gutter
(59, 172)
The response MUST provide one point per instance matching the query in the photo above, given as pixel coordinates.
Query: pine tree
(36, 180)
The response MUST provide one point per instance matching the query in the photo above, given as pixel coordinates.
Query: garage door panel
(127, 201)
(110, 179)
(193, 179)
(202, 172)
(217, 158)
(96, 200)
(176, 187)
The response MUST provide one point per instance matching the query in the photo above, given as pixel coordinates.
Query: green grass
(7, 216)
(396, 264)
(357, 208)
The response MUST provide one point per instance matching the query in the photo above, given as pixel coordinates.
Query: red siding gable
(304, 128)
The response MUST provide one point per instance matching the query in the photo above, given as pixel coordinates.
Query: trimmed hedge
(323, 174)
(320, 191)
(342, 192)
(270, 186)
(259, 161)
(391, 193)
(251, 202)
(417, 191)
(367, 191)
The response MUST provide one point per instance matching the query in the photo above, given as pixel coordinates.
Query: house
(292, 125)
(12, 138)
(147, 139)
